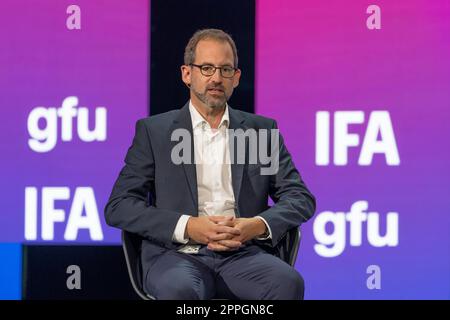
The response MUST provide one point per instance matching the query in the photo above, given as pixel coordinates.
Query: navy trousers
(249, 273)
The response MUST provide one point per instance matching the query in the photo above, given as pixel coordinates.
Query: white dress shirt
(213, 166)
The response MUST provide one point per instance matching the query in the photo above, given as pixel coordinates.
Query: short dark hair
(215, 34)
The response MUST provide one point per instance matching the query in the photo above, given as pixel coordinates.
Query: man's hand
(204, 229)
(249, 228)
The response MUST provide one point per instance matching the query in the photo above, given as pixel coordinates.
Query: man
(208, 229)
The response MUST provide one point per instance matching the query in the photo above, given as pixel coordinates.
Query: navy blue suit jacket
(151, 192)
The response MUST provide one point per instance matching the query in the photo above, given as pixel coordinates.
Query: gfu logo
(333, 244)
(45, 139)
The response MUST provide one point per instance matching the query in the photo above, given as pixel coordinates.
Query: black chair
(286, 250)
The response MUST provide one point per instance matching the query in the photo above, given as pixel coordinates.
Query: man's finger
(218, 247)
(220, 218)
(229, 223)
(230, 243)
(221, 236)
(227, 229)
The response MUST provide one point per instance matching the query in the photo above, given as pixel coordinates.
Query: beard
(212, 100)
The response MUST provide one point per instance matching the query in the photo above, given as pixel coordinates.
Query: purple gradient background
(311, 56)
(319, 55)
(42, 62)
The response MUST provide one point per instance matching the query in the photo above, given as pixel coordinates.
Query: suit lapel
(237, 169)
(183, 121)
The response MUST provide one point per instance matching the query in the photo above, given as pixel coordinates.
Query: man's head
(206, 50)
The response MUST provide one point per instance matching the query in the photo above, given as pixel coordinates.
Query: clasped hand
(224, 233)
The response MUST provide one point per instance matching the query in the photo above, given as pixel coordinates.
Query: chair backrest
(287, 250)
(288, 247)
(131, 244)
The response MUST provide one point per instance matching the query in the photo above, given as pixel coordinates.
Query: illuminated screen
(361, 93)
(70, 99)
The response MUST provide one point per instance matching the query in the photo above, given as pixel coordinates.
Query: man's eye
(207, 68)
(227, 69)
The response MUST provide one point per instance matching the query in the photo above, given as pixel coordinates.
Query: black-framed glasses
(208, 70)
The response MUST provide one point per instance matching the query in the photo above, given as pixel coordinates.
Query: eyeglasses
(208, 70)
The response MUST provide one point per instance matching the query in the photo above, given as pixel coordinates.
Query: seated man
(208, 229)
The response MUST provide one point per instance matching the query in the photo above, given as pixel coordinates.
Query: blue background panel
(10, 271)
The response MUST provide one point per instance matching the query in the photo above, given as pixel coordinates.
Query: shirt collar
(197, 119)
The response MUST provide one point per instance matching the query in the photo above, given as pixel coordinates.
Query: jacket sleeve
(294, 203)
(128, 208)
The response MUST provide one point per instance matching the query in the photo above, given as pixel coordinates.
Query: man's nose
(217, 76)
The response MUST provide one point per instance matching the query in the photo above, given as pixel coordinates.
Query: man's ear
(186, 75)
(237, 77)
